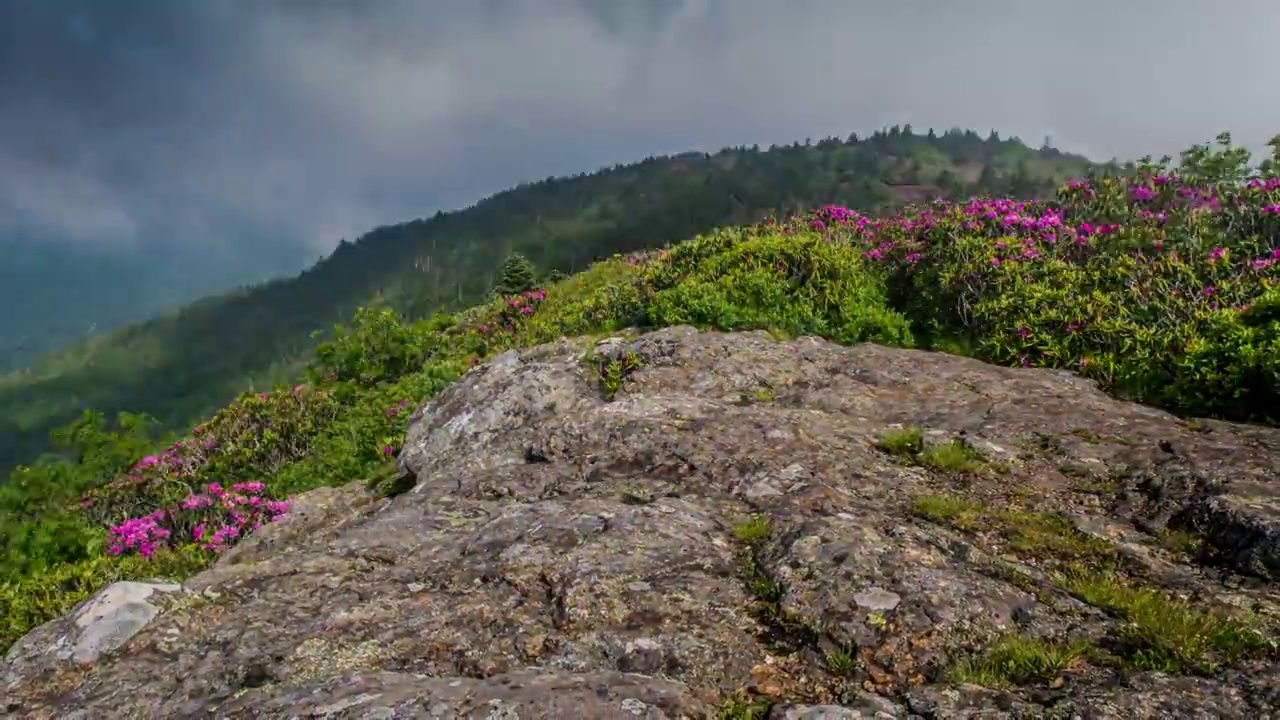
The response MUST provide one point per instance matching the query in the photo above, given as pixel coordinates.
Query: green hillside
(1163, 287)
(184, 365)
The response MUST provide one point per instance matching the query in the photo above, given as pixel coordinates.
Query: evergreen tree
(518, 275)
(950, 184)
(988, 179)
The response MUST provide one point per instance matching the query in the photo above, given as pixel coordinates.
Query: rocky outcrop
(683, 524)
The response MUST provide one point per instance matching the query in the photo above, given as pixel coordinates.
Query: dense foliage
(183, 366)
(1163, 285)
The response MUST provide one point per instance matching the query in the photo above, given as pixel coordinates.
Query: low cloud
(151, 121)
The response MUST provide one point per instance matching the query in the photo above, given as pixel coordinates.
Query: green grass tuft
(1015, 660)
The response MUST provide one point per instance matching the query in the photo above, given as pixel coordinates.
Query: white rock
(113, 616)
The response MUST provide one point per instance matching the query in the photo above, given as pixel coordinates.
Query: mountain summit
(742, 523)
(992, 458)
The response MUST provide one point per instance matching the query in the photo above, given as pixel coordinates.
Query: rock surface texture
(742, 518)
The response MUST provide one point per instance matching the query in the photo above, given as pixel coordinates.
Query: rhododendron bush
(1163, 285)
(213, 519)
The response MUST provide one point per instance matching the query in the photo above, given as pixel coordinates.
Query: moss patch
(904, 443)
(954, 456)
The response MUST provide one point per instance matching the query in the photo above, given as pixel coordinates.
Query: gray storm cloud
(207, 120)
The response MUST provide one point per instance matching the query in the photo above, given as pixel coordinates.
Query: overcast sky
(304, 121)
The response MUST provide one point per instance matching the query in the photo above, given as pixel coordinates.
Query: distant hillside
(185, 364)
(53, 293)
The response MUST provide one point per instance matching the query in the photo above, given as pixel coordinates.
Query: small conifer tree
(518, 275)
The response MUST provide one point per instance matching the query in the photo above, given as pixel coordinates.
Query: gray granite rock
(560, 555)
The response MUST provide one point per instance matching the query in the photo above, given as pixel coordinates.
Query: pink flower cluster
(1025, 231)
(518, 307)
(525, 302)
(217, 518)
(641, 257)
(142, 534)
(396, 409)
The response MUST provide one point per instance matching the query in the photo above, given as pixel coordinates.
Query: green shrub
(796, 283)
(377, 347)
